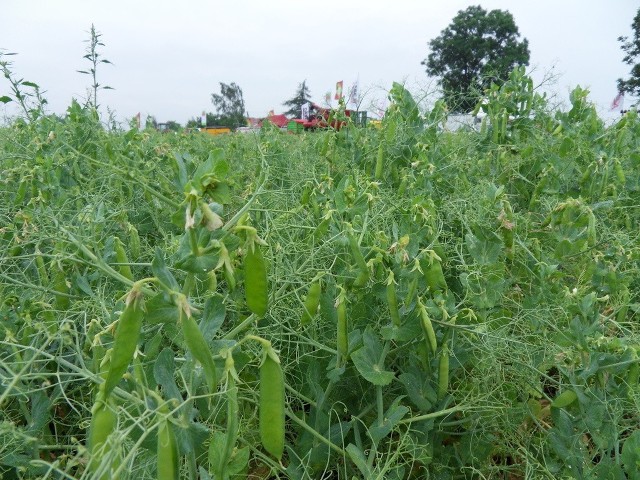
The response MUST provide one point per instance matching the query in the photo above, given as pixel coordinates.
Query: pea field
(396, 301)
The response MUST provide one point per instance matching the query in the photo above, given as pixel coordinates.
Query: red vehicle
(320, 117)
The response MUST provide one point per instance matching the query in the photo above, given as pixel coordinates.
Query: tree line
(476, 49)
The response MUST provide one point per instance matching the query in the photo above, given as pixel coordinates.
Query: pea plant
(398, 302)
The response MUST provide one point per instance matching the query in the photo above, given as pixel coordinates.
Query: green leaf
(239, 461)
(161, 271)
(160, 309)
(83, 285)
(366, 360)
(217, 459)
(631, 455)
(163, 370)
(204, 475)
(191, 439)
(208, 167)
(358, 458)
(565, 399)
(212, 317)
(5, 99)
(484, 246)
(420, 393)
(392, 416)
(221, 193)
(181, 171)
(40, 411)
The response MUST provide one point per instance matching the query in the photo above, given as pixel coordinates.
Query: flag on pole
(203, 119)
(618, 101)
(338, 94)
(327, 98)
(353, 94)
(304, 111)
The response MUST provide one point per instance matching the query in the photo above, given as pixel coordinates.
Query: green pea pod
(355, 251)
(342, 335)
(272, 404)
(42, 270)
(315, 206)
(126, 339)
(433, 273)
(591, 230)
(411, 291)
(197, 345)
(121, 258)
(443, 372)
(621, 315)
(103, 423)
(232, 418)
(230, 278)
(255, 281)
(213, 281)
(221, 447)
(427, 328)
(617, 166)
(168, 460)
(59, 284)
(311, 303)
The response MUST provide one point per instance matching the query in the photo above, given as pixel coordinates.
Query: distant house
(279, 121)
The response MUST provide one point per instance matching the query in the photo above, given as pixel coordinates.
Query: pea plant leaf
(357, 457)
(160, 309)
(163, 370)
(392, 416)
(419, 391)
(484, 246)
(631, 455)
(367, 360)
(160, 270)
(212, 317)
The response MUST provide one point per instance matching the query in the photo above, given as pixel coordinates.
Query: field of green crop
(400, 302)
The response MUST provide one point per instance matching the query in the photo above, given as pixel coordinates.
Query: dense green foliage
(631, 48)
(477, 48)
(477, 314)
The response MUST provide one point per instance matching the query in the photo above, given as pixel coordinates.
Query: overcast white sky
(169, 56)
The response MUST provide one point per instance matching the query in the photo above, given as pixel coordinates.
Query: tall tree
(229, 105)
(301, 97)
(477, 48)
(631, 48)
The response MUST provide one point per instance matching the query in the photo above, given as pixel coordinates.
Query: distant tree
(229, 105)
(478, 47)
(172, 126)
(631, 48)
(301, 97)
(150, 122)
